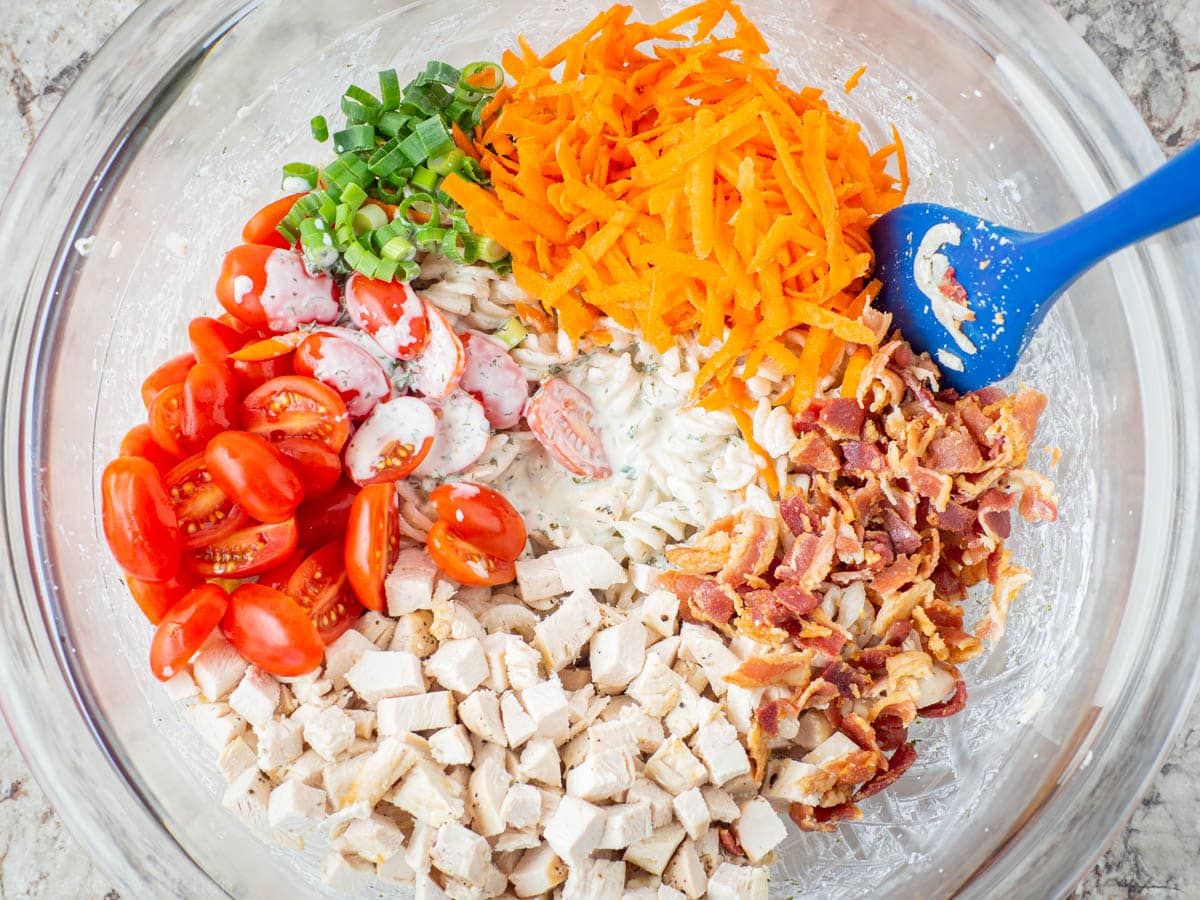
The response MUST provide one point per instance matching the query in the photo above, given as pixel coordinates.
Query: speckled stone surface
(1151, 46)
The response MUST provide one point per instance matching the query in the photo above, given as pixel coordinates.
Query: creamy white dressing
(242, 285)
(929, 272)
(461, 438)
(291, 297)
(345, 367)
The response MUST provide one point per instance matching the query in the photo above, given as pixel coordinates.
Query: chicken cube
(218, 668)
(574, 830)
(717, 744)
(667, 650)
(248, 795)
(216, 723)
(480, 713)
(596, 879)
(488, 787)
(740, 706)
(562, 635)
(395, 870)
(379, 674)
(538, 579)
(181, 686)
(659, 801)
(329, 732)
(615, 735)
(414, 634)
(625, 824)
(617, 655)
(295, 807)
(279, 742)
(538, 872)
(345, 874)
(460, 665)
(656, 687)
(521, 663)
(517, 839)
(495, 646)
(706, 648)
(428, 794)
(660, 613)
(518, 724)
(721, 806)
(733, 882)
(791, 780)
(422, 712)
(343, 653)
(376, 628)
(685, 872)
(586, 568)
(236, 757)
(692, 812)
(601, 776)
(692, 712)
(833, 747)
(461, 853)
(675, 768)
(522, 806)
(375, 838)
(546, 702)
(759, 829)
(409, 584)
(380, 770)
(452, 746)
(540, 762)
(653, 852)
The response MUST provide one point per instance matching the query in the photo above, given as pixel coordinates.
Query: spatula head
(960, 288)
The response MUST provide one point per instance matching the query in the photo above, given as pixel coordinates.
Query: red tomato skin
(271, 630)
(278, 576)
(212, 340)
(173, 371)
(323, 519)
(205, 513)
(185, 628)
(165, 419)
(358, 377)
(211, 404)
(252, 375)
(482, 516)
(295, 406)
(139, 441)
(376, 306)
(245, 261)
(560, 417)
(318, 467)
(372, 542)
(260, 229)
(255, 475)
(320, 586)
(463, 561)
(248, 551)
(139, 521)
(155, 600)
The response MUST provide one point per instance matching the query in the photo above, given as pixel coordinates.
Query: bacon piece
(874, 659)
(799, 517)
(946, 584)
(814, 452)
(988, 395)
(929, 484)
(843, 812)
(1035, 506)
(767, 716)
(952, 452)
(899, 763)
(713, 602)
(955, 517)
(763, 671)
(848, 681)
(758, 751)
(993, 506)
(904, 538)
(854, 767)
(897, 633)
(1027, 408)
(708, 552)
(922, 395)
(864, 500)
(879, 544)
(806, 820)
(809, 560)
(947, 707)
(895, 576)
(730, 843)
(755, 538)
(890, 731)
(976, 422)
(842, 418)
(944, 615)
(903, 356)
(830, 645)
(863, 457)
(795, 599)
(858, 730)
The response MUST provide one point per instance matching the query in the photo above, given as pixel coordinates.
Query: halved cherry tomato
(173, 371)
(212, 341)
(392, 442)
(560, 417)
(205, 513)
(155, 599)
(165, 420)
(318, 467)
(255, 374)
(439, 367)
(346, 368)
(271, 347)
(139, 441)
(295, 406)
(482, 516)
(248, 551)
(185, 628)
(240, 327)
(494, 378)
(255, 475)
(277, 576)
(270, 288)
(390, 312)
(462, 436)
(324, 519)
(261, 227)
(463, 561)
(211, 398)
(271, 630)
(320, 586)
(139, 523)
(372, 542)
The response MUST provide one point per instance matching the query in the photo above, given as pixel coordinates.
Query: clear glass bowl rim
(130, 77)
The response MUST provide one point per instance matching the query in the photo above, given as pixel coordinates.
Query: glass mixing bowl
(176, 130)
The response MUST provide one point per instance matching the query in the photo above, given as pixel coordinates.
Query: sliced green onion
(490, 251)
(424, 99)
(459, 247)
(320, 251)
(439, 73)
(392, 122)
(320, 128)
(511, 333)
(301, 209)
(298, 177)
(429, 237)
(361, 107)
(328, 208)
(447, 162)
(408, 270)
(368, 218)
(423, 204)
(387, 159)
(398, 249)
(361, 260)
(469, 73)
(424, 179)
(354, 196)
(385, 270)
(389, 89)
(471, 170)
(356, 137)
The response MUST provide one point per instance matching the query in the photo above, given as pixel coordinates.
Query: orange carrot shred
(852, 81)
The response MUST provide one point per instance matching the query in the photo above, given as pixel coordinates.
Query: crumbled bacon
(842, 418)
(712, 602)
(763, 671)
(890, 731)
(954, 451)
(809, 560)
(898, 764)
(730, 843)
(861, 457)
(947, 707)
(896, 634)
(799, 517)
(860, 731)
(755, 538)
(814, 452)
(904, 537)
(955, 517)
(848, 681)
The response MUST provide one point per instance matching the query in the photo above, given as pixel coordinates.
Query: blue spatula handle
(1167, 197)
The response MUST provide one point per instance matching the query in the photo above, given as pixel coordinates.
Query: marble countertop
(1153, 49)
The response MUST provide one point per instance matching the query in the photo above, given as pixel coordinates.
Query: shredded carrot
(852, 81)
(854, 370)
(665, 177)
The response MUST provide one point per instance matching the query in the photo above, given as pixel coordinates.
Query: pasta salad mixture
(550, 513)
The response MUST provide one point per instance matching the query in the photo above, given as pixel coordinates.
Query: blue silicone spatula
(972, 293)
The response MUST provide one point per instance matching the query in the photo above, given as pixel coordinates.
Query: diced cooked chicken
(522, 806)
(380, 674)
(732, 882)
(675, 768)
(625, 824)
(563, 634)
(380, 771)
(452, 746)
(480, 713)
(574, 830)
(247, 795)
(181, 686)
(586, 568)
(422, 712)
(546, 703)
(216, 723)
(706, 649)
(685, 872)
(329, 732)
(656, 687)
(236, 757)
(426, 793)
(652, 853)
(692, 712)
(759, 829)
(459, 665)
(538, 872)
(494, 648)
(461, 853)
(343, 653)
(376, 628)
(395, 869)
(256, 696)
(345, 874)
(617, 655)
(522, 664)
(409, 584)
(540, 762)
(792, 781)
(601, 776)
(692, 812)
(218, 668)
(659, 801)
(596, 879)
(295, 807)
(717, 744)
(833, 747)
(660, 613)
(518, 724)
(414, 634)
(488, 786)
(538, 579)
(721, 806)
